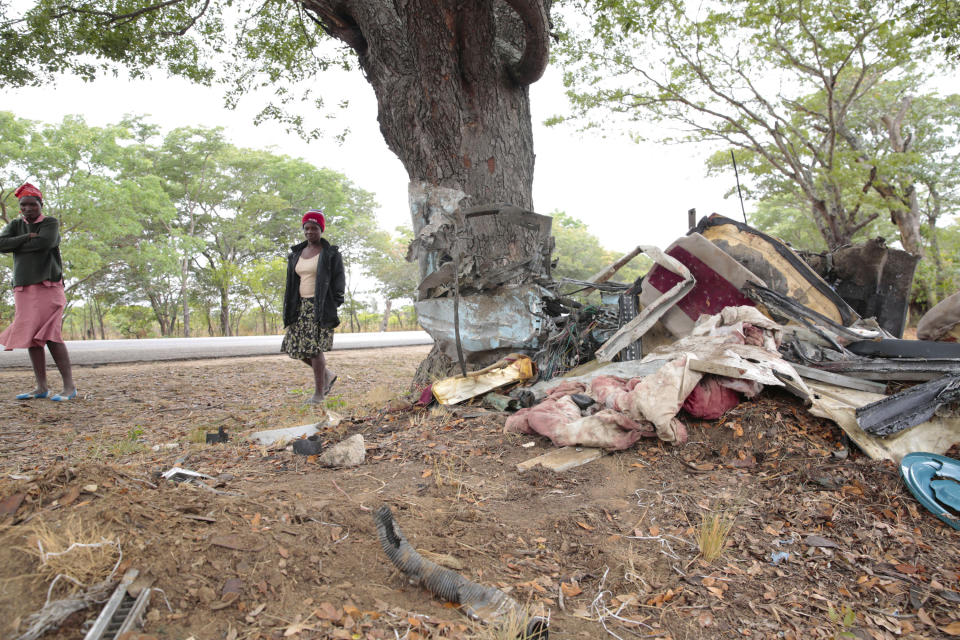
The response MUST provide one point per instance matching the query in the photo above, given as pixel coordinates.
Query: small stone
(348, 453)
(90, 488)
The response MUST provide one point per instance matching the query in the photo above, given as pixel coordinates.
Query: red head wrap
(27, 190)
(314, 215)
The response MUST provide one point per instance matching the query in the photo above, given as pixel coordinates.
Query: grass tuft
(84, 553)
(712, 536)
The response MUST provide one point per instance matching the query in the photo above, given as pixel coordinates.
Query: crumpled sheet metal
(453, 390)
(509, 320)
(633, 330)
(840, 404)
(780, 268)
(432, 208)
(908, 408)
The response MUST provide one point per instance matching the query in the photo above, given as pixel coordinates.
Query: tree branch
(336, 22)
(536, 51)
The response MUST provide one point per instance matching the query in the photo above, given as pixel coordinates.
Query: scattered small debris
(219, 437)
(562, 459)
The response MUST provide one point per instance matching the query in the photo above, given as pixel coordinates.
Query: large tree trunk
(224, 312)
(451, 79)
(385, 320)
(904, 206)
(185, 296)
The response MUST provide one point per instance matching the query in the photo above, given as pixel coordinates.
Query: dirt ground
(823, 542)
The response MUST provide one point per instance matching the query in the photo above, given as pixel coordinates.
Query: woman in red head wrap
(315, 287)
(39, 300)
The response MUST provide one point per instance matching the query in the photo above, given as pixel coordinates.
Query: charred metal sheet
(909, 407)
(885, 369)
(839, 404)
(507, 320)
(849, 382)
(627, 306)
(780, 268)
(491, 245)
(781, 305)
(905, 349)
(873, 278)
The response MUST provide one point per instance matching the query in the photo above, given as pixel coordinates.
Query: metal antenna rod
(739, 192)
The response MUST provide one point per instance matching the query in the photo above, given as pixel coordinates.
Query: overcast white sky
(627, 193)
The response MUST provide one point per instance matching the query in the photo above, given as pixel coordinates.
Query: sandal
(329, 385)
(31, 395)
(62, 398)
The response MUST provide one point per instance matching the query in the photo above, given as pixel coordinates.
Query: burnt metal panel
(871, 277)
(776, 264)
(628, 306)
(887, 369)
(908, 408)
(905, 349)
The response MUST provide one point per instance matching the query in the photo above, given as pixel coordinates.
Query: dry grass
(83, 553)
(378, 397)
(512, 627)
(712, 535)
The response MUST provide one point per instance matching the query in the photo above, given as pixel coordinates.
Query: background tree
(940, 19)
(176, 221)
(387, 263)
(778, 80)
(80, 169)
(264, 280)
(579, 254)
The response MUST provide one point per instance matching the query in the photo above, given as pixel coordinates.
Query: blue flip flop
(62, 398)
(30, 395)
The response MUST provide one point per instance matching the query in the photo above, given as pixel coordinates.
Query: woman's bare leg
(321, 378)
(60, 356)
(38, 359)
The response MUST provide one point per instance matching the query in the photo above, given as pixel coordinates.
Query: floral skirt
(305, 338)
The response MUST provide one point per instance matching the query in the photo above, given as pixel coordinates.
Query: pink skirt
(37, 317)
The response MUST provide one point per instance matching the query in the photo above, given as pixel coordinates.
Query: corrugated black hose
(487, 604)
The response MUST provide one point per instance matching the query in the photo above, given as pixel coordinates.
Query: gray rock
(348, 453)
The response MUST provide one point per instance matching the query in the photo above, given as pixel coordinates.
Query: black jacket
(34, 259)
(331, 283)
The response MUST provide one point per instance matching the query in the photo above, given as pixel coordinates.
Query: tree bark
(451, 79)
(904, 206)
(224, 312)
(385, 321)
(184, 296)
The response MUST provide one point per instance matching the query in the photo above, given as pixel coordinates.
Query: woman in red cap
(39, 299)
(315, 286)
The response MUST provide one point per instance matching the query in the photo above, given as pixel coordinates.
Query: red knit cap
(27, 190)
(314, 215)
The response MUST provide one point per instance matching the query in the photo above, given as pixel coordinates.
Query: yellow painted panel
(787, 280)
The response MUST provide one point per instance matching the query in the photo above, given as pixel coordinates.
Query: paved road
(89, 352)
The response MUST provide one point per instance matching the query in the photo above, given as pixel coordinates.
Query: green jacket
(34, 259)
